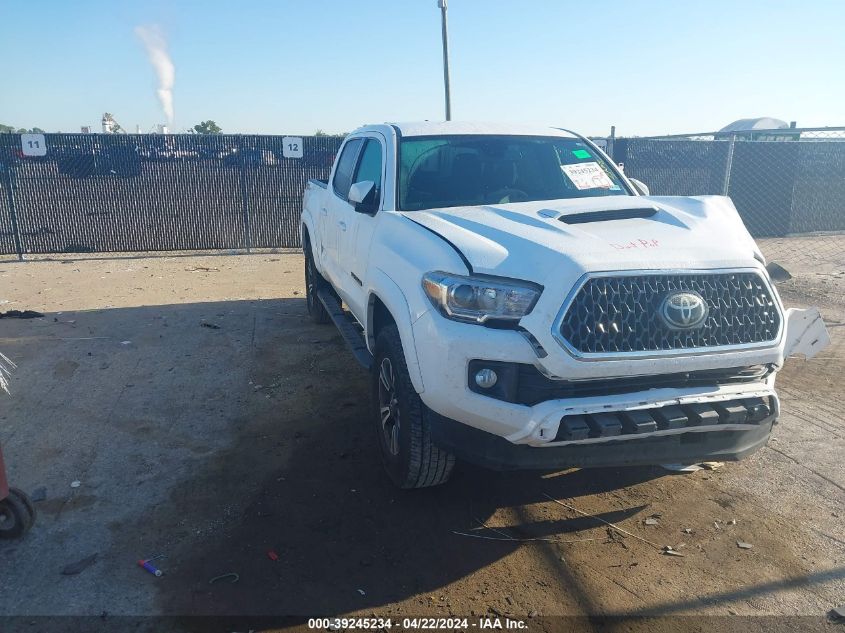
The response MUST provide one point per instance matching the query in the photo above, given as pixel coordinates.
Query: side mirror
(777, 272)
(640, 186)
(362, 195)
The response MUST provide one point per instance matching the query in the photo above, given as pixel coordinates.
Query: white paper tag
(33, 145)
(292, 147)
(587, 176)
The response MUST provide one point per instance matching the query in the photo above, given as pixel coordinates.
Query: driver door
(336, 211)
(354, 242)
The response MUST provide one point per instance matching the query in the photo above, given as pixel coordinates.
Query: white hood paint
(517, 241)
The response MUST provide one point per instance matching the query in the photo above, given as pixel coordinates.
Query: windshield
(449, 171)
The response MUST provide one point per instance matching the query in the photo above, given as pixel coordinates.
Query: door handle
(342, 225)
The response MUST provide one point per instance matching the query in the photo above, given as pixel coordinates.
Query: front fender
(391, 295)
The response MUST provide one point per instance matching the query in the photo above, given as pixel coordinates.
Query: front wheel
(402, 420)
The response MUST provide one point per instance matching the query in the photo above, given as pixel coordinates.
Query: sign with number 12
(292, 147)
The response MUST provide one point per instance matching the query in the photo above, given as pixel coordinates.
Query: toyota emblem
(684, 310)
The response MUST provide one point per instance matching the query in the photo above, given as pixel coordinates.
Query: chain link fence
(787, 184)
(122, 193)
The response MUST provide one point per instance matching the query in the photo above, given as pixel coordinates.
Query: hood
(536, 240)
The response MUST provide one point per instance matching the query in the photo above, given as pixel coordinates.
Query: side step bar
(347, 328)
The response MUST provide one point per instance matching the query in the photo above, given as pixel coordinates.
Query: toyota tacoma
(521, 303)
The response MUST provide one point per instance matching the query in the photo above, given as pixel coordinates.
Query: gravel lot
(209, 421)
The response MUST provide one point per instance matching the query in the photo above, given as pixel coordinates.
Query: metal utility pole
(442, 5)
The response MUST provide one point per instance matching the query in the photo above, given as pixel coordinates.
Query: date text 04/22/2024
(375, 623)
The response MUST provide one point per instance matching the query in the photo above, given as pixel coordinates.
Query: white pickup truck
(520, 303)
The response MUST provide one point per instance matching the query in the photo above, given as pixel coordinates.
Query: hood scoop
(607, 215)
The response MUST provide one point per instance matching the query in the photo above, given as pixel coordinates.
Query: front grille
(619, 314)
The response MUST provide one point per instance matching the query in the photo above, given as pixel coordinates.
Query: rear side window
(345, 164)
(369, 167)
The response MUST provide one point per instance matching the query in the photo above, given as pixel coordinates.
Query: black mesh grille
(622, 314)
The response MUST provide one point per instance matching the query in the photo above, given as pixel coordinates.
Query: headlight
(479, 299)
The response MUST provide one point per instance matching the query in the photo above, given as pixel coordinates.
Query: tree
(11, 129)
(207, 127)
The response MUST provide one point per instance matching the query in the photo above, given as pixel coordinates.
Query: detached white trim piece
(806, 333)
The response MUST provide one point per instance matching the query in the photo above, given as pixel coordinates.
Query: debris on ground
(6, 367)
(79, 566)
(712, 465)
(681, 468)
(39, 494)
(21, 314)
(651, 521)
(687, 530)
(75, 484)
(272, 555)
(234, 578)
(732, 522)
(592, 516)
(211, 326)
(507, 538)
(743, 545)
(126, 342)
(204, 269)
(362, 592)
(147, 564)
(668, 550)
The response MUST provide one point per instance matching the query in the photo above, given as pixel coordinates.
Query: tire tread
(428, 465)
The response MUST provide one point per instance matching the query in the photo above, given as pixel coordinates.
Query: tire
(313, 281)
(402, 421)
(17, 515)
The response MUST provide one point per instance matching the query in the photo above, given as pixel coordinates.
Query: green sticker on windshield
(581, 153)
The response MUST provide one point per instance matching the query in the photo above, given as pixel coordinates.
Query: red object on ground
(272, 555)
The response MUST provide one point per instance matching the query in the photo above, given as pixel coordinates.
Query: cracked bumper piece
(694, 445)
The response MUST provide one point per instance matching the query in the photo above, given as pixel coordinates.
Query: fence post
(12, 211)
(611, 143)
(244, 195)
(726, 181)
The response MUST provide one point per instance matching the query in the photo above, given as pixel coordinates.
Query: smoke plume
(156, 47)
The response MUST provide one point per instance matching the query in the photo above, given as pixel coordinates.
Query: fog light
(486, 378)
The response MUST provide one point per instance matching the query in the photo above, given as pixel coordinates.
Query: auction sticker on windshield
(587, 176)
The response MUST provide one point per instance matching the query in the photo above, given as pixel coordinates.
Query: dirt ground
(208, 421)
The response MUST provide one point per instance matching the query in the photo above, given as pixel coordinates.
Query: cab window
(346, 163)
(370, 165)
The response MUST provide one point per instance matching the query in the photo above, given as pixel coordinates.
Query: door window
(345, 165)
(370, 165)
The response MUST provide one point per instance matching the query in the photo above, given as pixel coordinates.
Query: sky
(294, 66)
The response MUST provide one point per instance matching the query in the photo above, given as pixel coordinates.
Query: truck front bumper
(502, 434)
(491, 451)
